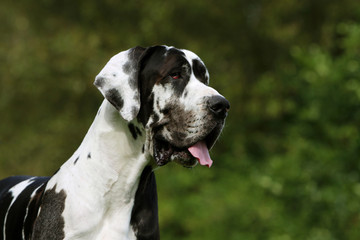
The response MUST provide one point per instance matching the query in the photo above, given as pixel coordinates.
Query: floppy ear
(118, 82)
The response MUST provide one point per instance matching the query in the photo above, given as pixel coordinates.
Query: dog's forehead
(189, 54)
(163, 60)
(198, 66)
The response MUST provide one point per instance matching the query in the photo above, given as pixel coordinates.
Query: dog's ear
(118, 82)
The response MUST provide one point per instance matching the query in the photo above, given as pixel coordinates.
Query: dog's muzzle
(198, 149)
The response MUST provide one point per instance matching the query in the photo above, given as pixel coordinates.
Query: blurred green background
(287, 164)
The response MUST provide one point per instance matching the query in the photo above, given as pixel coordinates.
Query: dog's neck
(109, 152)
(114, 142)
(109, 163)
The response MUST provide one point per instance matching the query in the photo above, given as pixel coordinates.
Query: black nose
(219, 106)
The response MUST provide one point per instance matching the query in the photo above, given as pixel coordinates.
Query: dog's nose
(219, 106)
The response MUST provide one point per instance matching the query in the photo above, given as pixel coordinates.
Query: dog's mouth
(164, 152)
(197, 152)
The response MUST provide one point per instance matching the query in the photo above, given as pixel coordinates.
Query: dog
(158, 108)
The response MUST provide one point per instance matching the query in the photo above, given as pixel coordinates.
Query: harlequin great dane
(158, 108)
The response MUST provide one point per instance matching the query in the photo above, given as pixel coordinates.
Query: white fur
(116, 78)
(101, 189)
(196, 91)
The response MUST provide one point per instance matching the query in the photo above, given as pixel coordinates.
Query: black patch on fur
(200, 71)
(33, 210)
(144, 215)
(20, 208)
(143, 148)
(114, 97)
(50, 222)
(99, 82)
(146, 108)
(132, 66)
(165, 111)
(148, 76)
(132, 130)
(89, 155)
(127, 68)
(138, 131)
(155, 118)
(6, 197)
(76, 160)
(5, 201)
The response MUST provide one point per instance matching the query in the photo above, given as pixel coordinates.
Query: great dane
(158, 108)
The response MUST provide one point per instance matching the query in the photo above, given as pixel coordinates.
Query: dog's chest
(107, 227)
(97, 220)
(98, 208)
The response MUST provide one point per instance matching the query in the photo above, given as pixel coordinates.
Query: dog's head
(166, 90)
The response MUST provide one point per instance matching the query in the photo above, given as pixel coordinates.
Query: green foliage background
(287, 165)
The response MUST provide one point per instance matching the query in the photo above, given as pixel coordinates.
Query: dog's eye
(175, 75)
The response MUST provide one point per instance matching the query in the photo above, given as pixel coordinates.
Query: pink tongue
(201, 152)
